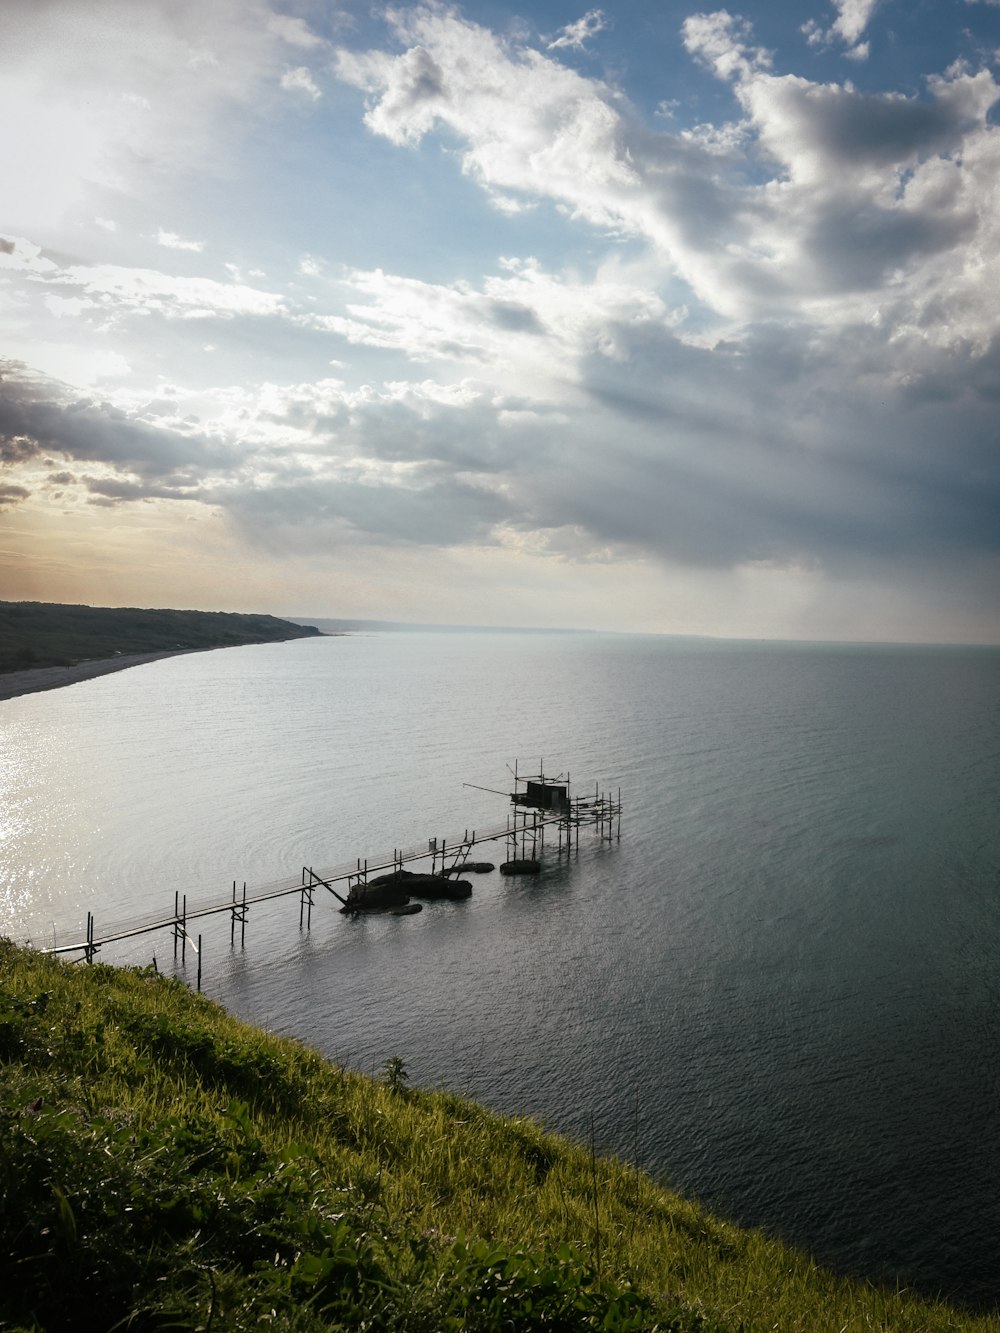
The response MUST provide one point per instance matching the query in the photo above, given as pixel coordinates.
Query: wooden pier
(542, 806)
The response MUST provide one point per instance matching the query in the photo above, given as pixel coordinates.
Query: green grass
(164, 1165)
(35, 634)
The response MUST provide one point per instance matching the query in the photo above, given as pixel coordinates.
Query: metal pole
(199, 963)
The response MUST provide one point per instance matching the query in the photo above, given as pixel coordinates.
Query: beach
(14, 683)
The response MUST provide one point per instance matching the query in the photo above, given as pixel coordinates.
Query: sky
(636, 318)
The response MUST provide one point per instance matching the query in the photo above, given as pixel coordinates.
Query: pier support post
(90, 948)
(238, 912)
(306, 905)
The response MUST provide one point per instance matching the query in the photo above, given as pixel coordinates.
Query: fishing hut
(540, 803)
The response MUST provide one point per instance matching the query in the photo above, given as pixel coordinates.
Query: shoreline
(15, 683)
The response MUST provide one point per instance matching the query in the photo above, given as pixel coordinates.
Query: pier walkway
(544, 804)
(525, 829)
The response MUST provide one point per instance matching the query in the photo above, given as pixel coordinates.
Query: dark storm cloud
(855, 248)
(430, 434)
(696, 187)
(451, 439)
(123, 491)
(447, 513)
(12, 495)
(957, 373)
(426, 82)
(758, 453)
(39, 416)
(880, 130)
(513, 318)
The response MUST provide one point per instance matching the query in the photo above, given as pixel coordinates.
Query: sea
(778, 990)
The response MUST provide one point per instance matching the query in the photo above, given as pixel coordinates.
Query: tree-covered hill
(39, 634)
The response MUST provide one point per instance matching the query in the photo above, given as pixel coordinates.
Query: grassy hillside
(163, 1164)
(35, 634)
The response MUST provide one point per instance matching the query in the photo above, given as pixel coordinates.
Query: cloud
(723, 42)
(66, 307)
(523, 327)
(22, 255)
(99, 101)
(294, 31)
(11, 495)
(409, 465)
(529, 125)
(171, 241)
(39, 416)
(576, 35)
(725, 455)
(823, 202)
(299, 80)
(174, 296)
(669, 393)
(753, 453)
(853, 17)
(446, 513)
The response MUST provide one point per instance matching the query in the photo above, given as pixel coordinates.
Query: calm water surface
(779, 991)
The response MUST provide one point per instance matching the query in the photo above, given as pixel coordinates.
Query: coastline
(15, 683)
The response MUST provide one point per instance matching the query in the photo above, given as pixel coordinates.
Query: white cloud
(723, 42)
(67, 307)
(673, 397)
(853, 17)
(81, 364)
(300, 80)
(171, 241)
(107, 104)
(294, 31)
(576, 35)
(526, 331)
(818, 205)
(24, 256)
(167, 294)
(529, 123)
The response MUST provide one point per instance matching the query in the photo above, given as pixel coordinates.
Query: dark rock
(528, 867)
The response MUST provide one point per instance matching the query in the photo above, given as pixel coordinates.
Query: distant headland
(44, 645)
